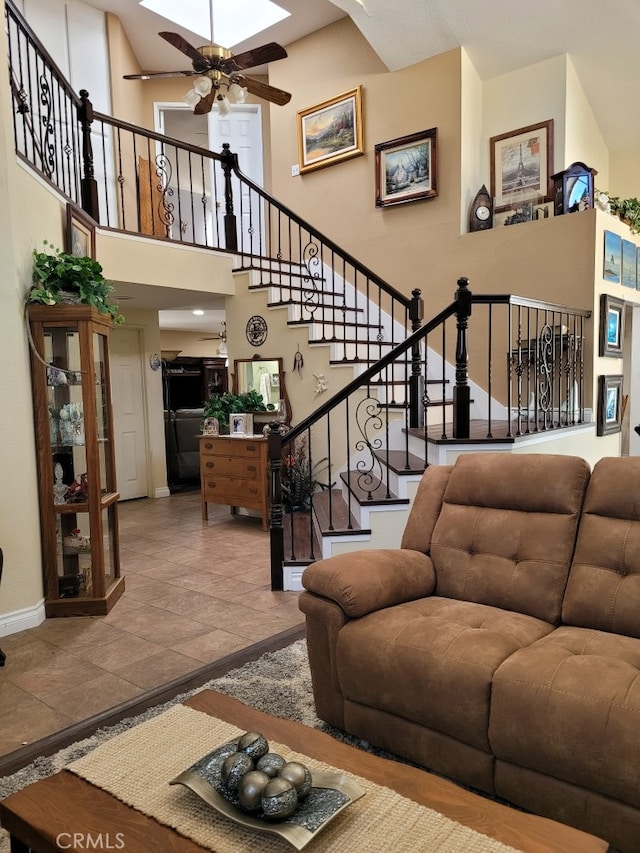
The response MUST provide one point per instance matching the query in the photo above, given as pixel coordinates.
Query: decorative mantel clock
(481, 213)
(573, 189)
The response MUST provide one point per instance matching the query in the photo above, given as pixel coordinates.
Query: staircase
(415, 398)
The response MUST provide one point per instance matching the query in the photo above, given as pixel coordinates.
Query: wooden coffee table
(45, 816)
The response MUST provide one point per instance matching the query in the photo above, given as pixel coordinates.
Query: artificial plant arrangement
(56, 274)
(628, 210)
(300, 478)
(220, 406)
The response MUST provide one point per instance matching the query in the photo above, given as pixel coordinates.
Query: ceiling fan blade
(258, 56)
(200, 63)
(159, 74)
(204, 104)
(263, 90)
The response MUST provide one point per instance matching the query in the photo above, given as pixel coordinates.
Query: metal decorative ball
(253, 744)
(279, 799)
(233, 769)
(250, 790)
(271, 764)
(298, 775)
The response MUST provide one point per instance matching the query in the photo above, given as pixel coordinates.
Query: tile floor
(195, 592)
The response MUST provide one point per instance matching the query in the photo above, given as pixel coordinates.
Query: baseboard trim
(162, 492)
(22, 620)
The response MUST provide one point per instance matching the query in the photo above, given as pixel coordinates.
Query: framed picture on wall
(629, 263)
(80, 237)
(521, 164)
(611, 326)
(612, 259)
(331, 131)
(406, 168)
(609, 404)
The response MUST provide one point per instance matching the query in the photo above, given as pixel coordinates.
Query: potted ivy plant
(63, 277)
(220, 406)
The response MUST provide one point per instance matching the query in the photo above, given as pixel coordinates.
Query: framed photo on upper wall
(80, 239)
(331, 131)
(406, 168)
(611, 326)
(521, 164)
(612, 258)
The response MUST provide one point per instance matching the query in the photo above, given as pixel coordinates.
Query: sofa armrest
(365, 581)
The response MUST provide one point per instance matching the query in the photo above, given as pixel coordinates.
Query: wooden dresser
(234, 471)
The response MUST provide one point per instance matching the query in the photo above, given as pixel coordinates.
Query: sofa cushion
(604, 583)
(568, 706)
(431, 661)
(507, 529)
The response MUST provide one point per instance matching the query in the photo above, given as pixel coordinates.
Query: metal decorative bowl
(330, 794)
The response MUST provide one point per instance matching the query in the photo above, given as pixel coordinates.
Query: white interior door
(128, 413)
(242, 129)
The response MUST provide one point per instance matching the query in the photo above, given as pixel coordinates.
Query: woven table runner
(137, 765)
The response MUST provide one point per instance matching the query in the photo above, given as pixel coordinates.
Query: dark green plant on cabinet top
(59, 273)
(220, 406)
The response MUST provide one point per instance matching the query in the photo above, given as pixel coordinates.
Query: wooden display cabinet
(76, 465)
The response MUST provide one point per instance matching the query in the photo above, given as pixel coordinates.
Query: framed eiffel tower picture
(521, 165)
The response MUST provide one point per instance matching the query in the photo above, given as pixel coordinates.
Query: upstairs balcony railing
(145, 183)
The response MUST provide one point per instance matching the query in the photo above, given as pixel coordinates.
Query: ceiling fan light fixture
(238, 92)
(202, 85)
(224, 106)
(191, 98)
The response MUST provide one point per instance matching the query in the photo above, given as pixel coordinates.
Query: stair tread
(375, 494)
(401, 462)
(332, 514)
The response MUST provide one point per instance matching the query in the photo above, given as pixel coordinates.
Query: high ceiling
(498, 35)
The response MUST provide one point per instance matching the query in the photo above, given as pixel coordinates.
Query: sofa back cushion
(603, 591)
(507, 529)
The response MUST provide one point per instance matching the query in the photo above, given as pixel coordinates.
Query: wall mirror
(264, 375)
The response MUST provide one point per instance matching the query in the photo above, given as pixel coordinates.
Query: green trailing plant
(300, 478)
(628, 210)
(220, 406)
(57, 273)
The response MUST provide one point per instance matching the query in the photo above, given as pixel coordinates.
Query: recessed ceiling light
(198, 312)
(232, 22)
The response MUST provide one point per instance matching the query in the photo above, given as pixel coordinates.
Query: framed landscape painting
(609, 404)
(612, 261)
(521, 163)
(611, 326)
(629, 272)
(331, 131)
(406, 168)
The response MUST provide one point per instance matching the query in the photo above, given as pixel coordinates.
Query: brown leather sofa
(500, 645)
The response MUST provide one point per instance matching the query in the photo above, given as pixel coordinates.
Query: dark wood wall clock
(256, 330)
(481, 213)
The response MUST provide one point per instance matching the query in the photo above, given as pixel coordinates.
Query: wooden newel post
(416, 380)
(461, 391)
(230, 231)
(88, 183)
(276, 532)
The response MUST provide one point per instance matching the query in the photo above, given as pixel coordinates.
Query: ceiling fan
(215, 67)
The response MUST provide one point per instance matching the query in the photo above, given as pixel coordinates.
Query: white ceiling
(498, 35)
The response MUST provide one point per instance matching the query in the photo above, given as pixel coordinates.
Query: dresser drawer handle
(211, 464)
(208, 445)
(251, 468)
(253, 491)
(251, 447)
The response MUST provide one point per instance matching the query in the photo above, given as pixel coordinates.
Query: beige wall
(190, 343)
